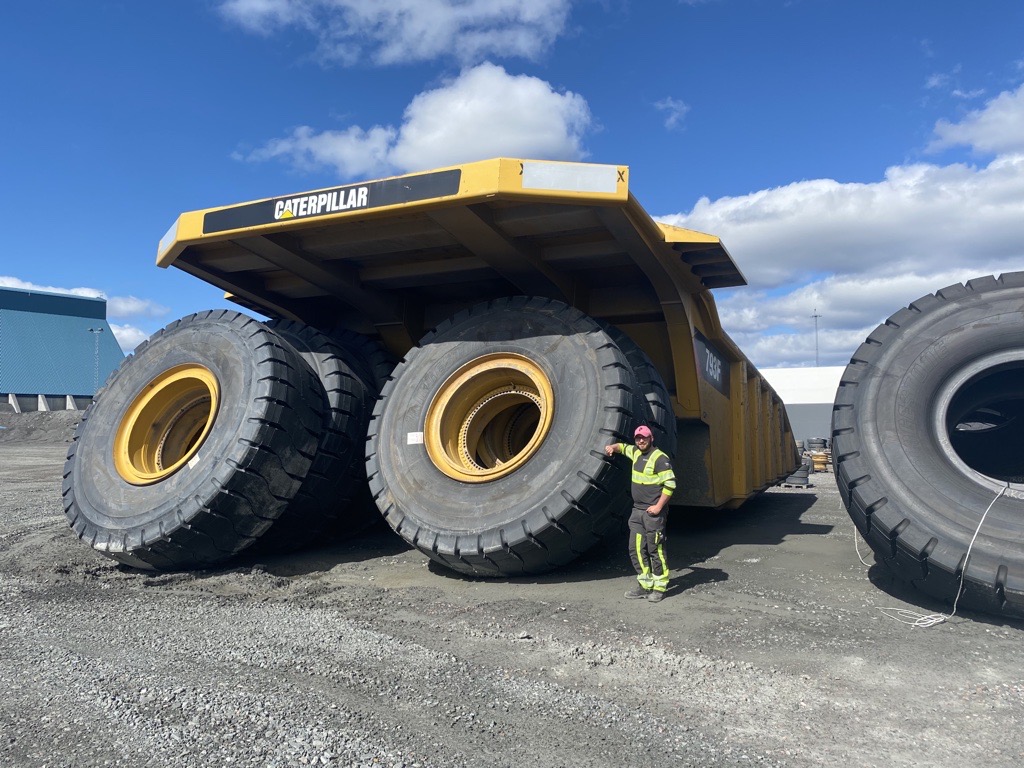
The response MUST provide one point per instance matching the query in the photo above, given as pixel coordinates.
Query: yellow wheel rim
(489, 418)
(166, 424)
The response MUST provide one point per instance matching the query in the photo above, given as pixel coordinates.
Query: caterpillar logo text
(325, 202)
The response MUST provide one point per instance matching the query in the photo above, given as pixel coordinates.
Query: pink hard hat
(642, 431)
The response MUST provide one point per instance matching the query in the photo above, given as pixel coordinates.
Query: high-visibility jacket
(652, 474)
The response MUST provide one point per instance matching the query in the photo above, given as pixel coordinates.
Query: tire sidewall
(573, 445)
(110, 502)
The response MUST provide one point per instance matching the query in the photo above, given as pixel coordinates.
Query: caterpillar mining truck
(450, 349)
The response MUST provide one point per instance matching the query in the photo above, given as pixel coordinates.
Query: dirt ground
(772, 648)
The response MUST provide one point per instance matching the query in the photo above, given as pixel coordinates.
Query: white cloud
(128, 336)
(352, 152)
(404, 31)
(843, 301)
(857, 253)
(998, 127)
(917, 218)
(265, 16)
(790, 350)
(778, 329)
(130, 306)
(484, 112)
(487, 112)
(967, 95)
(674, 109)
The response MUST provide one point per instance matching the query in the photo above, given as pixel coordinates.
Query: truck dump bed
(392, 258)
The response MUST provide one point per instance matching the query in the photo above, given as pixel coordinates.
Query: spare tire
(195, 445)
(928, 434)
(660, 416)
(486, 449)
(374, 361)
(325, 499)
(376, 364)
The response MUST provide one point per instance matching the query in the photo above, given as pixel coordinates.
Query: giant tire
(914, 470)
(376, 364)
(488, 374)
(660, 417)
(324, 501)
(374, 361)
(195, 446)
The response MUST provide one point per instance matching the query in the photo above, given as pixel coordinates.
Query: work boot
(655, 596)
(637, 593)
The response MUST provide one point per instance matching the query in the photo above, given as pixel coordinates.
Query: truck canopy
(392, 258)
(396, 255)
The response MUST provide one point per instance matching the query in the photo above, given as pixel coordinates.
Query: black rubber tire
(914, 498)
(566, 498)
(325, 499)
(245, 473)
(375, 362)
(660, 417)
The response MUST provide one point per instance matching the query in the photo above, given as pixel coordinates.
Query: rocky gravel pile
(38, 426)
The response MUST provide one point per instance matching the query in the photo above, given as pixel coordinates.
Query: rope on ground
(914, 619)
(856, 546)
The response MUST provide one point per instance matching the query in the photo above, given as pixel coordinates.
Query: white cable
(856, 546)
(915, 619)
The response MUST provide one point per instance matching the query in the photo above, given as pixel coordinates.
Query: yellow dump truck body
(393, 257)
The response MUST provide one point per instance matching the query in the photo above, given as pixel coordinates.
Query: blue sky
(852, 155)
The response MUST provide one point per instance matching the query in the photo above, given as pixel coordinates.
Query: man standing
(652, 486)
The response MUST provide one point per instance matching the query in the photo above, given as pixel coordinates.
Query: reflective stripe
(667, 477)
(659, 581)
(638, 544)
(645, 577)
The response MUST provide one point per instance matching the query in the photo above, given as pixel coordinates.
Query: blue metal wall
(47, 347)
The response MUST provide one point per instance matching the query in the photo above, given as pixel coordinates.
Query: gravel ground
(771, 649)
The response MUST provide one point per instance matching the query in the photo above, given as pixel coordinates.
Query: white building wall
(808, 394)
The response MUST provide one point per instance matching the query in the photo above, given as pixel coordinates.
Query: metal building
(56, 350)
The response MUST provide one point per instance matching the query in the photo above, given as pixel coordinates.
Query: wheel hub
(165, 425)
(489, 418)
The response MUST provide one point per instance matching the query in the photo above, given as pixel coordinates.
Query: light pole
(815, 316)
(95, 359)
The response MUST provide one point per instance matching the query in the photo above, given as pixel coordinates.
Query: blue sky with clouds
(852, 154)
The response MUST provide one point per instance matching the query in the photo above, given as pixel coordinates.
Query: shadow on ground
(695, 535)
(888, 582)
